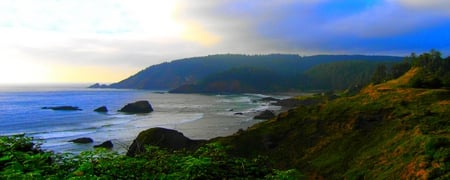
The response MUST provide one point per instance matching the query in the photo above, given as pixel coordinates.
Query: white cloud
(432, 6)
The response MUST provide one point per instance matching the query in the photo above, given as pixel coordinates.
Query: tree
(380, 74)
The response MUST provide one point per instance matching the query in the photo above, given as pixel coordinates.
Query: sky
(86, 41)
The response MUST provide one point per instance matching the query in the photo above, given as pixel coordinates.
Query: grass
(387, 131)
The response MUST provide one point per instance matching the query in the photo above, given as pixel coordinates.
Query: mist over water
(197, 116)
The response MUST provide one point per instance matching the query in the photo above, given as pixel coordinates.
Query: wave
(257, 95)
(62, 134)
(195, 117)
(240, 99)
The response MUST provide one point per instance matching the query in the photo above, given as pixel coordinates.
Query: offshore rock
(106, 144)
(164, 138)
(101, 109)
(268, 99)
(137, 107)
(63, 108)
(98, 85)
(83, 140)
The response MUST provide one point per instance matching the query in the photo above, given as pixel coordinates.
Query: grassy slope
(386, 131)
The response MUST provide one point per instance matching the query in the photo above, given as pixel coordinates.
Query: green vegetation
(327, 76)
(434, 70)
(21, 159)
(393, 129)
(238, 80)
(340, 75)
(206, 74)
(387, 131)
(434, 73)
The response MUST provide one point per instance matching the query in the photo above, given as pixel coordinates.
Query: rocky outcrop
(163, 138)
(63, 108)
(268, 99)
(102, 109)
(293, 102)
(137, 107)
(267, 114)
(106, 144)
(83, 140)
(98, 85)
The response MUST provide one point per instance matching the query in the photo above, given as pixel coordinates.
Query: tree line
(434, 70)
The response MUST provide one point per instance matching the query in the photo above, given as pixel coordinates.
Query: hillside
(237, 80)
(387, 131)
(326, 76)
(194, 70)
(341, 75)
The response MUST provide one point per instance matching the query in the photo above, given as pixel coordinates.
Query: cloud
(431, 6)
(132, 35)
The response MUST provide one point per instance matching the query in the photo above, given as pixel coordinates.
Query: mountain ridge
(171, 75)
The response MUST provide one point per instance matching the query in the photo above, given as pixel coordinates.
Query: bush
(21, 159)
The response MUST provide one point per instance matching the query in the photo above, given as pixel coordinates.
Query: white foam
(241, 99)
(195, 117)
(258, 95)
(62, 134)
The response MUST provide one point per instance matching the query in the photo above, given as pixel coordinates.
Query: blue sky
(108, 40)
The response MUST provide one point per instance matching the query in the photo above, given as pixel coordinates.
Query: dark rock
(268, 99)
(267, 114)
(63, 108)
(101, 109)
(292, 102)
(238, 113)
(231, 109)
(106, 144)
(83, 140)
(137, 107)
(163, 138)
(98, 85)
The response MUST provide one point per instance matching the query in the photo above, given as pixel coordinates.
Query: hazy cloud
(137, 33)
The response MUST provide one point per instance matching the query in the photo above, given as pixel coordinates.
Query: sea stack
(102, 109)
(106, 144)
(137, 107)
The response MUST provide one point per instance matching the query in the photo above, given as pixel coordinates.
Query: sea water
(196, 116)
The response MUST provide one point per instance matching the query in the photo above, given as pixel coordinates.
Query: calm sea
(196, 116)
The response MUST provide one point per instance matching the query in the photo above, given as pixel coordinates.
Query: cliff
(387, 131)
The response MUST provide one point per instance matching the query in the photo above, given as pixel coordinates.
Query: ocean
(196, 116)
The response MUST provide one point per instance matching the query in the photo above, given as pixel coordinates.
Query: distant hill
(203, 70)
(237, 80)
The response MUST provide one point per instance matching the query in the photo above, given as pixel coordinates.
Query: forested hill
(194, 70)
(390, 130)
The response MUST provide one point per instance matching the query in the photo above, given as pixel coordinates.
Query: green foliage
(20, 159)
(387, 131)
(340, 75)
(434, 70)
(384, 73)
(380, 74)
(289, 69)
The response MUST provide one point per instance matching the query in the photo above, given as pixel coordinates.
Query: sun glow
(35, 39)
(20, 72)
